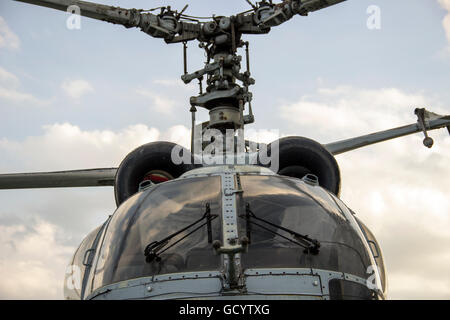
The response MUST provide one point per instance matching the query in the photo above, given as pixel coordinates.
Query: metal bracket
(203, 99)
(232, 247)
(421, 115)
(188, 77)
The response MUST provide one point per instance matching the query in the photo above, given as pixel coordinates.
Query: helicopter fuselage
(229, 232)
(183, 230)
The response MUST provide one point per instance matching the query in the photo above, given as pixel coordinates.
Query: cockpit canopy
(166, 208)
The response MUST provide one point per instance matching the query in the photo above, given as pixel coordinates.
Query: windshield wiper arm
(310, 245)
(153, 249)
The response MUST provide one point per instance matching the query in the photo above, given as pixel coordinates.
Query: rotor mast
(219, 37)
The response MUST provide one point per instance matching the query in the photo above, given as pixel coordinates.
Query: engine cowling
(299, 156)
(151, 161)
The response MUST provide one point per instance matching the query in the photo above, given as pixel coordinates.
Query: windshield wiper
(310, 245)
(153, 250)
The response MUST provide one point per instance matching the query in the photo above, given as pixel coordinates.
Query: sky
(84, 98)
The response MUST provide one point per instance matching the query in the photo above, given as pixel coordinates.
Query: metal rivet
(315, 283)
(149, 288)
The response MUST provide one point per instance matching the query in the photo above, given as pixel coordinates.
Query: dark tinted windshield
(305, 210)
(156, 213)
(152, 216)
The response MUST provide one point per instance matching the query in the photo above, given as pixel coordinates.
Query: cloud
(167, 82)
(31, 261)
(350, 111)
(446, 22)
(15, 96)
(65, 146)
(37, 245)
(445, 4)
(161, 102)
(10, 91)
(174, 83)
(8, 79)
(262, 135)
(8, 39)
(167, 96)
(76, 88)
(399, 191)
(397, 187)
(178, 134)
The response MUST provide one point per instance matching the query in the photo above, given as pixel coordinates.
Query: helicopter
(316, 180)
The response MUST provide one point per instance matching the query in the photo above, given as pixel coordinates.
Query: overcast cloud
(446, 22)
(8, 39)
(76, 88)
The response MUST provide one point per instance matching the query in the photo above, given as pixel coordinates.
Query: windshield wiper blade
(153, 249)
(310, 245)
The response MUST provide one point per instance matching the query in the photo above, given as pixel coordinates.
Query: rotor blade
(127, 17)
(314, 5)
(146, 21)
(362, 141)
(59, 179)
